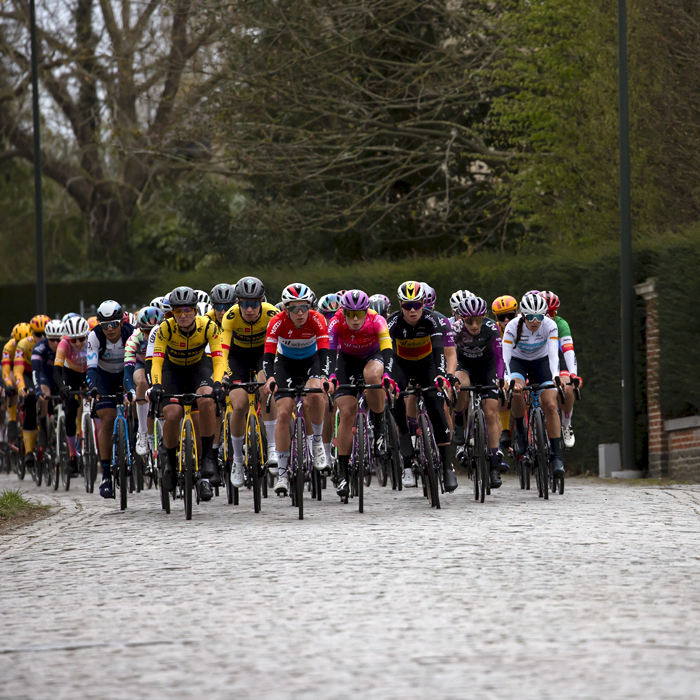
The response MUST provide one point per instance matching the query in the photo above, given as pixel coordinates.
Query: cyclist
(223, 297)
(480, 362)
(459, 295)
(505, 309)
(135, 381)
(531, 352)
(106, 345)
(448, 338)
(381, 304)
(162, 303)
(19, 332)
(180, 365)
(418, 347)
(566, 348)
(328, 304)
(297, 352)
(22, 368)
(359, 338)
(69, 374)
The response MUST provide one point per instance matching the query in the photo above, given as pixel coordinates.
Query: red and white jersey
(285, 339)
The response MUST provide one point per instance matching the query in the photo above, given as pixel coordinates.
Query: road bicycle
(17, 449)
(86, 443)
(301, 468)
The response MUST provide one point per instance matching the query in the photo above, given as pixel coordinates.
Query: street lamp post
(626, 277)
(38, 208)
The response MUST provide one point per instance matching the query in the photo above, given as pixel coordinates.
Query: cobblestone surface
(593, 594)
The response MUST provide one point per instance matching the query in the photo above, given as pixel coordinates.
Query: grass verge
(14, 509)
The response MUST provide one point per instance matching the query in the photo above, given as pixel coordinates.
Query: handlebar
(187, 399)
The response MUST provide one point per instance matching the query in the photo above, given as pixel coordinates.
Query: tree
(121, 85)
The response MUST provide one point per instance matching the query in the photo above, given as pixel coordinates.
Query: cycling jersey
(485, 348)
(8, 357)
(284, 339)
(22, 364)
(448, 336)
(187, 348)
(211, 314)
(102, 353)
(135, 350)
(237, 332)
(42, 364)
(566, 344)
(69, 356)
(543, 343)
(371, 338)
(413, 343)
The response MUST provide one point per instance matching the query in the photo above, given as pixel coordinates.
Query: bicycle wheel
(253, 459)
(121, 471)
(482, 464)
(541, 454)
(63, 452)
(392, 448)
(431, 464)
(188, 447)
(359, 457)
(300, 465)
(161, 461)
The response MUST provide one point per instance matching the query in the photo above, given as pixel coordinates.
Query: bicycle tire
(300, 465)
(253, 459)
(161, 459)
(474, 471)
(541, 452)
(63, 452)
(480, 452)
(94, 456)
(121, 472)
(394, 452)
(360, 464)
(520, 465)
(430, 466)
(188, 447)
(19, 455)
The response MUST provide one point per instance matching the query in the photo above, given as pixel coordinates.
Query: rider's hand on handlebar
(156, 394)
(65, 392)
(219, 394)
(267, 389)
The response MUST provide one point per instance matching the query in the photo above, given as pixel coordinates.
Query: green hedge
(587, 281)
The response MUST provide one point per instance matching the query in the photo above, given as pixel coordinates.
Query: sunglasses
(412, 305)
(534, 317)
(506, 317)
(39, 335)
(182, 310)
(303, 308)
(351, 313)
(77, 341)
(474, 320)
(220, 307)
(107, 325)
(249, 303)
(54, 340)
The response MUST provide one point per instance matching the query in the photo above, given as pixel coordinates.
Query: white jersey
(544, 342)
(112, 359)
(152, 341)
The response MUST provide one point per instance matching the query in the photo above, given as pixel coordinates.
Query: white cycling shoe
(567, 432)
(282, 485)
(237, 475)
(320, 461)
(407, 478)
(142, 444)
(272, 461)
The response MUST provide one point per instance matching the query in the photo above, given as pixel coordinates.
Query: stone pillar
(658, 440)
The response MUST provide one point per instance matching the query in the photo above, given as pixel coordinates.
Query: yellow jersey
(22, 363)
(237, 332)
(187, 349)
(8, 357)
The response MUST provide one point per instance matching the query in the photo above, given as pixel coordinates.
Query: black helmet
(250, 288)
(183, 296)
(223, 294)
(109, 311)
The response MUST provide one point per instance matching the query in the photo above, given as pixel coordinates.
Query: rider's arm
(507, 351)
(217, 355)
(7, 354)
(566, 343)
(553, 353)
(497, 352)
(270, 351)
(159, 349)
(322, 343)
(37, 369)
(227, 333)
(93, 356)
(385, 346)
(18, 366)
(130, 348)
(438, 350)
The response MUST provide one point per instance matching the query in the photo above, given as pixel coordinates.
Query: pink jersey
(372, 336)
(68, 355)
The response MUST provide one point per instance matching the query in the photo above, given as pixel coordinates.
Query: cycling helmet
(329, 304)
(223, 294)
(21, 331)
(250, 288)
(279, 306)
(54, 329)
(380, 304)
(340, 293)
(203, 308)
(314, 301)
(533, 304)
(76, 327)
(202, 296)
(533, 291)
(355, 300)
(472, 306)
(430, 295)
(162, 303)
(183, 296)
(149, 317)
(411, 291)
(130, 319)
(38, 323)
(109, 311)
(458, 296)
(93, 322)
(504, 305)
(552, 302)
(70, 314)
(295, 293)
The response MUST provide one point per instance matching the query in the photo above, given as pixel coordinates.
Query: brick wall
(683, 436)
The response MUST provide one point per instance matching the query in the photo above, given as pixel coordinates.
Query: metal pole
(38, 208)
(626, 277)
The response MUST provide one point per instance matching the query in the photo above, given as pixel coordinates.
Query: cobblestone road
(594, 594)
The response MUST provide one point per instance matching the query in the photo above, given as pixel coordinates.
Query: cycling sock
(446, 455)
(238, 447)
(106, 471)
(458, 416)
(270, 427)
(520, 424)
(343, 461)
(566, 417)
(142, 413)
(172, 457)
(493, 456)
(412, 425)
(282, 459)
(13, 413)
(407, 461)
(557, 447)
(71, 445)
(327, 448)
(309, 442)
(29, 440)
(318, 432)
(377, 418)
(206, 444)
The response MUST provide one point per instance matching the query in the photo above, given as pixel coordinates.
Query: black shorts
(108, 383)
(535, 371)
(350, 370)
(244, 361)
(480, 374)
(289, 373)
(178, 379)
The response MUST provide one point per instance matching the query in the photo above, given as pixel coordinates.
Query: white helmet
(203, 308)
(54, 329)
(459, 295)
(76, 327)
(202, 297)
(533, 304)
(162, 303)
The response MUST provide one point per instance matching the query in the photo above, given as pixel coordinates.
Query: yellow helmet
(411, 291)
(21, 331)
(504, 305)
(38, 323)
(93, 322)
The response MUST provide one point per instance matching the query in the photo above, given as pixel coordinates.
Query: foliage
(13, 505)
